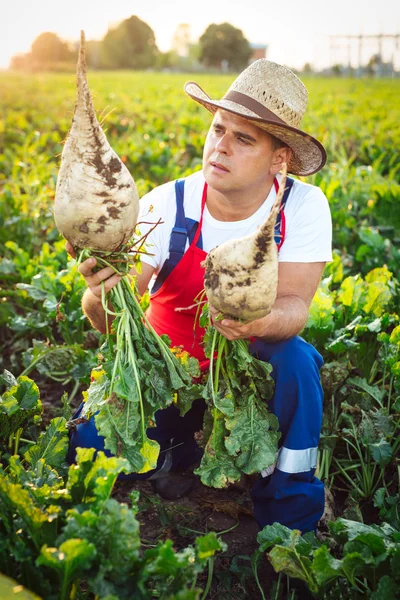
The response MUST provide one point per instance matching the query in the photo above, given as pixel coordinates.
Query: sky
(295, 32)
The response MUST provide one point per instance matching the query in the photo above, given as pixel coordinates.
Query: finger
(225, 331)
(96, 278)
(233, 331)
(70, 249)
(108, 285)
(111, 282)
(229, 323)
(86, 267)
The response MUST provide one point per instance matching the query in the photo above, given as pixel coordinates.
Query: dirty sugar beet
(241, 276)
(96, 209)
(97, 203)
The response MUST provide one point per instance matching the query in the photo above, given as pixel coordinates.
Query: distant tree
(374, 64)
(224, 43)
(93, 53)
(167, 60)
(182, 39)
(194, 53)
(131, 45)
(21, 61)
(48, 48)
(307, 69)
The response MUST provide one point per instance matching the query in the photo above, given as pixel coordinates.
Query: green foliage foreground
(60, 525)
(354, 323)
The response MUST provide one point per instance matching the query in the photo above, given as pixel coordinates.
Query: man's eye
(244, 141)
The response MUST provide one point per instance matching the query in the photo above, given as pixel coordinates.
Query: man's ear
(281, 155)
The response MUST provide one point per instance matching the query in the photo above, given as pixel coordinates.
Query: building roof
(255, 46)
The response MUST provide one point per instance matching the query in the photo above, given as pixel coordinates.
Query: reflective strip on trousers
(294, 461)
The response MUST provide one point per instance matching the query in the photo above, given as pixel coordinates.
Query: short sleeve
(153, 208)
(308, 236)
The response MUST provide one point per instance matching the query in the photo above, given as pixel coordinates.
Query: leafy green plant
(59, 526)
(363, 564)
(240, 434)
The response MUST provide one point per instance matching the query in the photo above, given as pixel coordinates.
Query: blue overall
(289, 492)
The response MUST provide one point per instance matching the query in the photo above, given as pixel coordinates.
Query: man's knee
(291, 356)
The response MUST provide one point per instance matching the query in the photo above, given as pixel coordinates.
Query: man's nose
(222, 145)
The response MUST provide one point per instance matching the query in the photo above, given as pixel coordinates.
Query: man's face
(237, 155)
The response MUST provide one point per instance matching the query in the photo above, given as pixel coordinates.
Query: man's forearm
(93, 309)
(287, 319)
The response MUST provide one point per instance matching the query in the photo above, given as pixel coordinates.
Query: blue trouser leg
(292, 495)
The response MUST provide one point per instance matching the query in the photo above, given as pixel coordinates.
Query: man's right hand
(94, 279)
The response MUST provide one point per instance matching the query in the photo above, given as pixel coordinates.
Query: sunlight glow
(295, 32)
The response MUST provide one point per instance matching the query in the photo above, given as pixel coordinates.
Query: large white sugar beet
(96, 204)
(241, 276)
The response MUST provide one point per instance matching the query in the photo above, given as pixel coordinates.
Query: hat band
(254, 106)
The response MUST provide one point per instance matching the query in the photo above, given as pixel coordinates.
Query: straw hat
(271, 97)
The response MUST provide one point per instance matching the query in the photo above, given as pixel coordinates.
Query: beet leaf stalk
(139, 374)
(240, 434)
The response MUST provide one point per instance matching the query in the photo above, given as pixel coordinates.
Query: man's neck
(235, 206)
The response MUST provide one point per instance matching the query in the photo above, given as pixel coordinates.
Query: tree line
(132, 45)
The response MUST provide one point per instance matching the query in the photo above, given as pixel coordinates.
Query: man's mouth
(219, 166)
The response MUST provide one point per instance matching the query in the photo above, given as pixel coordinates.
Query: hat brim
(308, 154)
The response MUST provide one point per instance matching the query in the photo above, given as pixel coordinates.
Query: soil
(203, 510)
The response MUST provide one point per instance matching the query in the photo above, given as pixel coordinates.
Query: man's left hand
(235, 330)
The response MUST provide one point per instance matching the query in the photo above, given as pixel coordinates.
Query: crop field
(80, 533)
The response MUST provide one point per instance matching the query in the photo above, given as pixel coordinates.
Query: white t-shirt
(308, 221)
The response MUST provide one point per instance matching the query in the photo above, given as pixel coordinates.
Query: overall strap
(203, 203)
(177, 242)
(179, 235)
(280, 225)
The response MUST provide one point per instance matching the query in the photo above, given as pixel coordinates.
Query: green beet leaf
(44, 484)
(11, 589)
(164, 561)
(351, 293)
(243, 435)
(381, 452)
(208, 545)
(377, 298)
(52, 445)
(274, 534)
(395, 562)
(217, 467)
(37, 522)
(353, 565)
(375, 392)
(18, 405)
(119, 423)
(91, 481)
(97, 395)
(290, 562)
(253, 439)
(376, 538)
(387, 589)
(9, 380)
(325, 567)
(321, 312)
(70, 560)
(115, 533)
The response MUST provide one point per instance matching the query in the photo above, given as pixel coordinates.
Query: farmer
(255, 129)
